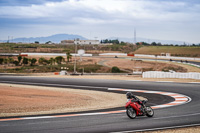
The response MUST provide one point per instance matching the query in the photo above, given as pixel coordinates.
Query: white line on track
(164, 81)
(168, 117)
(194, 82)
(133, 80)
(154, 129)
(29, 83)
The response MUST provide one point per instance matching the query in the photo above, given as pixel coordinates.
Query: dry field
(174, 50)
(140, 65)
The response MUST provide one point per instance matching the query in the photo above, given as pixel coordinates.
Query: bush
(16, 63)
(115, 69)
(59, 59)
(1, 60)
(25, 60)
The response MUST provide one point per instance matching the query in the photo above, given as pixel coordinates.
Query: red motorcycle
(138, 108)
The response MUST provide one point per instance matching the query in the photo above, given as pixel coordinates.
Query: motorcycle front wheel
(131, 112)
(149, 112)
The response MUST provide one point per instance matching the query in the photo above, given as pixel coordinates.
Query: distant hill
(54, 38)
(140, 39)
(57, 38)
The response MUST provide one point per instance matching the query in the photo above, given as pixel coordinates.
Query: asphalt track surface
(177, 116)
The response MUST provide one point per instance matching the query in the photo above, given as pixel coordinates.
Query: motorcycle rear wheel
(131, 113)
(149, 112)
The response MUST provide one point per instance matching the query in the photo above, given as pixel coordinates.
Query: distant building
(67, 42)
(106, 44)
(81, 42)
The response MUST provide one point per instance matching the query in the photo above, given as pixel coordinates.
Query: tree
(46, 62)
(37, 42)
(49, 42)
(25, 61)
(33, 61)
(16, 63)
(115, 69)
(10, 60)
(19, 58)
(1, 60)
(5, 61)
(42, 61)
(69, 56)
(154, 43)
(52, 61)
(59, 59)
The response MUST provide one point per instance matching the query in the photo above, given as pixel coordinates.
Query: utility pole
(75, 56)
(8, 39)
(135, 36)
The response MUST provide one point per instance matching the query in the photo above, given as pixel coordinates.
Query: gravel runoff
(17, 100)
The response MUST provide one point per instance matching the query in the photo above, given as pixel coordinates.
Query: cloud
(102, 9)
(25, 2)
(157, 15)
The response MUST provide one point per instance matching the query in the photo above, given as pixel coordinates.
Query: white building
(81, 42)
(88, 42)
(67, 42)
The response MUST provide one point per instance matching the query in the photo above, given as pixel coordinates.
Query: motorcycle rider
(130, 96)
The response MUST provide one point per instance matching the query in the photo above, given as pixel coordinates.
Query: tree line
(32, 61)
(115, 41)
(160, 44)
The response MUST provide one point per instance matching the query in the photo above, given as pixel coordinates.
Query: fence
(168, 57)
(55, 54)
(119, 54)
(158, 74)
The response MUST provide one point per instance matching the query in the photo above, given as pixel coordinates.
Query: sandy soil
(139, 65)
(18, 100)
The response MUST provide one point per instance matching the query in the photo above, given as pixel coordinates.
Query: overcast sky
(154, 19)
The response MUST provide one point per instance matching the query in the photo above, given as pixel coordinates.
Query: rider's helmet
(129, 95)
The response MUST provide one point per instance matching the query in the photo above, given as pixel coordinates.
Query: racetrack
(181, 115)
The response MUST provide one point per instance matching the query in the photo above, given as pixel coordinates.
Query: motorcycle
(133, 109)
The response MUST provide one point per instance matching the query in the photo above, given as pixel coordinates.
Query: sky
(177, 20)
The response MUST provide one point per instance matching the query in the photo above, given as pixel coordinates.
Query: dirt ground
(139, 65)
(133, 65)
(18, 100)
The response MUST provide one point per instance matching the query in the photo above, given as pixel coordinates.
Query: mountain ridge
(57, 38)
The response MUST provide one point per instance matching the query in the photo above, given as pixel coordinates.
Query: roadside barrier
(56, 73)
(56, 54)
(159, 74)
(119, 54)
(168, 57)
